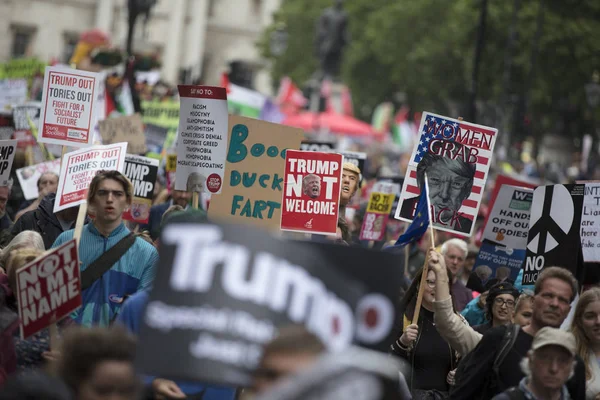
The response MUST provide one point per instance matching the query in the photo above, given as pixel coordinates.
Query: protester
(97, 364)
(350, 183)
(35, 385)
(500, 306)
(25, 239)
(34, 351)
(474, 312)
(555, 289)
(524, 309)
(586, 329)
(455, 252)
(46, 184)
(293, 350)
(431, 358)
(547, 366)
(5, 191)
(469, 264)
(110, 193)
(178, 197)
(46, 222)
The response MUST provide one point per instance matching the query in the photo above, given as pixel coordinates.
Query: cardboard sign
(28, 177)
(79, 167)
(311, 145)
(204, 272)
(49, 289)
(202, 140)
(68, 107)
(508, 222)
(255, 165)
(7, 155)
(12, 92)
(311, 199)
(456, 156)
(553, 238)
(142, 172)
(378, 212)
(590, 226)
(128, 129)
(496, 263)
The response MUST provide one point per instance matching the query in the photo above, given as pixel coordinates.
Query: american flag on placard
(478, 142)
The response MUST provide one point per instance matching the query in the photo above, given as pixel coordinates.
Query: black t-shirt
(480, 363)
(431, 359)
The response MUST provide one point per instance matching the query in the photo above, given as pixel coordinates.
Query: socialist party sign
(28, 177)
(456, 156)
(142, 172)
(553, 238)
(222, 292)
(79, 167)
(311, 195)
(68, 107)
(378, 212)
(202, 140)
(48, 289)
(508, 222)
(7, 155)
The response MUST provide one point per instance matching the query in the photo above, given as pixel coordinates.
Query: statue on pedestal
(332, 36)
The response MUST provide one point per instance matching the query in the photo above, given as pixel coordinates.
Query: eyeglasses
(502, 302)
(431, 284)
(115, 193)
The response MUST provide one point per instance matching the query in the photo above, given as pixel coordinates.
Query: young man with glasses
(109, 195)
(499, 306)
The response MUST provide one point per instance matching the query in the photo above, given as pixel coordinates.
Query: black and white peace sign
(551, 218)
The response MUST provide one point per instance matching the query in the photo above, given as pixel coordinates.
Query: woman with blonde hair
(586, 328)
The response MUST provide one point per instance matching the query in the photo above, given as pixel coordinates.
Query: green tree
(425, 49)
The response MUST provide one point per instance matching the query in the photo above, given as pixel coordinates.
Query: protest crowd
(165, 242)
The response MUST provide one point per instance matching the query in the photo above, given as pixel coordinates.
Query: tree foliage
(425, 49)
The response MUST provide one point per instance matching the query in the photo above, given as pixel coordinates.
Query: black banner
(553, 238)
(222, 291)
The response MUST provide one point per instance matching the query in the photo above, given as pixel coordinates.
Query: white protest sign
(590, 225)
(508, 223)
(202, 140)
(28, 176)
(79, 168)
(12, 92)
(7, 155)
(69, 107)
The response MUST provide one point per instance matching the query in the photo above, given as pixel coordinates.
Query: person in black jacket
(44, 221)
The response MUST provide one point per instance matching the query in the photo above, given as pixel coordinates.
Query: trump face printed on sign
(450, 183)
(311, 185)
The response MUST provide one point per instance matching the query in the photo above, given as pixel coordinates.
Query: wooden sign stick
(195, 200)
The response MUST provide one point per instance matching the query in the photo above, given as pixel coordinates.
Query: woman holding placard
(432, 360)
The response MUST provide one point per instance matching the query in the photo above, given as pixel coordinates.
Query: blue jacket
(131, 316)
(134, 271)
(474, 314)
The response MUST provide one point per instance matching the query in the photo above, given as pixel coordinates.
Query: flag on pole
(419, 225)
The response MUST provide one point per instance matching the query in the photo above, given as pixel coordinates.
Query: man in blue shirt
(109, 195)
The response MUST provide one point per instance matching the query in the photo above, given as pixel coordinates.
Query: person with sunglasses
(432, 359)
(499, 306)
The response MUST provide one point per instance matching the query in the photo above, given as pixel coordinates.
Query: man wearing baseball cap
(548, 366)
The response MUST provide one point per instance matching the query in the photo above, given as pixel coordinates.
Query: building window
(70, 43)
(211, 8)
(22, 39)
(256, 7)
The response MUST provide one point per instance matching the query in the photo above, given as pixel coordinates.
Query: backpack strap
(514, 393)
(508, 341)
(95, 270)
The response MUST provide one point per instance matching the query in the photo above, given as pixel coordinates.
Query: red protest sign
(311, 192)
(48, 289)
